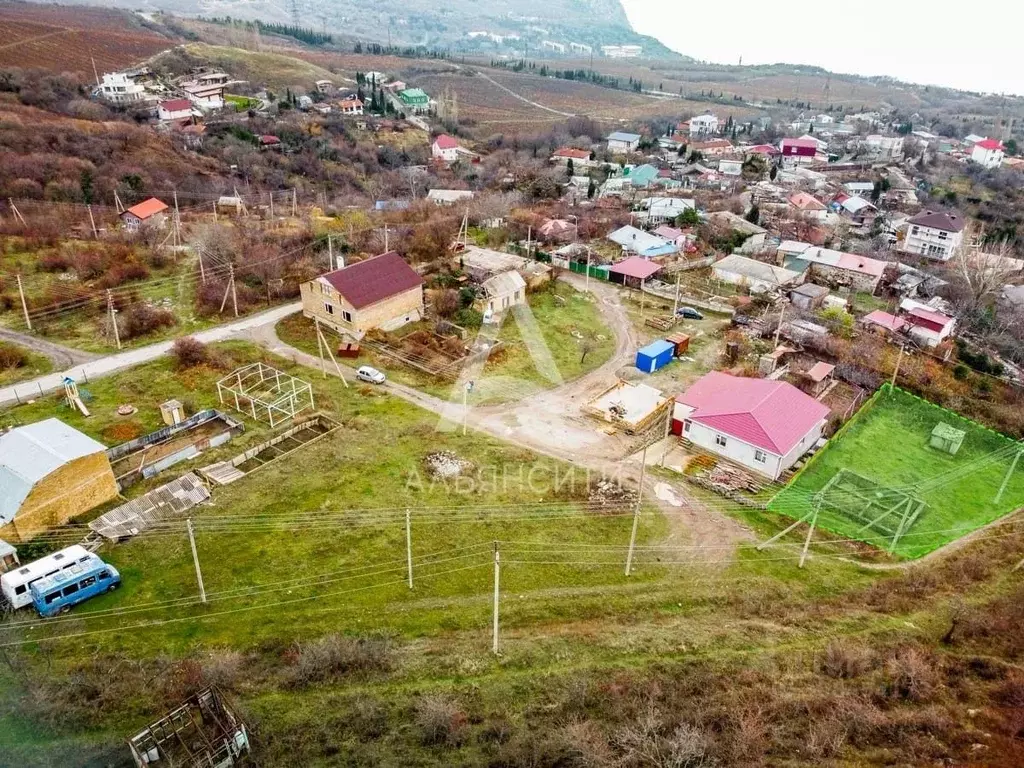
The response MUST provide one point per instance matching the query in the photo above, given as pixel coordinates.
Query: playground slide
(80, 405)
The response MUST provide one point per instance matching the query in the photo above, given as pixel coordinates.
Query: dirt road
(60, 356)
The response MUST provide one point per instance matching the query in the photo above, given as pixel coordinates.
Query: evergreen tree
(591, 189)
(570, 168)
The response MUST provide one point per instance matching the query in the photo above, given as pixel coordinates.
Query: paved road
(104, 366)
(60, 356)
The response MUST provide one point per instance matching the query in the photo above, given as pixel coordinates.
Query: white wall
(926, 239)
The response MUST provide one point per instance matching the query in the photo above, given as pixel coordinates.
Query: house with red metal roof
(382, 292)
(174, 109)
(446, 148)
(988, 153)
(798, 151)
(926, 325)
(761, 424)
(580, 157)
(150, 212)
(633, 271)
(883, 321)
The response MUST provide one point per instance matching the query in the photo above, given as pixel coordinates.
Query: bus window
(20, 589)
(87, 582)
(52, 596)
(70, 589)
(104, 575)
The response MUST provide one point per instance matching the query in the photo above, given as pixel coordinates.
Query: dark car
(741, 320)
(689, 313)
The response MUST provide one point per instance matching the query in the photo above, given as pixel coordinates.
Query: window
(518, 294)
(70, 589)
(51, 597)
(760, 456)
(915, 230)
(686, 425)
(87, 582)
(943, 235)
(720, 440)
(20, 589)
(104, 575)
(347, 315)
(328, 308)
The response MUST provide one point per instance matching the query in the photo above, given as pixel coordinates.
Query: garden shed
(655, 355)
(947, 438)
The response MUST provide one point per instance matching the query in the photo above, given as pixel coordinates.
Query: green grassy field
(565, 317)
(888, 443)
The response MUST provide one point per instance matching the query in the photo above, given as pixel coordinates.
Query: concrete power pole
(497, 593)
(408, 544)
(195, 559)
(113, 318)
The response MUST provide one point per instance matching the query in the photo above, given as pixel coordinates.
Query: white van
(16, 585)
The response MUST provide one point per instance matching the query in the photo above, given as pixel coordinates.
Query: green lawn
(34, 365)
(888, 443)
(566, 318)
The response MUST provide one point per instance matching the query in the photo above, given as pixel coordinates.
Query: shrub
(336, 656)
(845, 661)
(119, 274)
(12, 356)
(910, 676)
(142, 319)
(469, 318)
(440, 720)
(55, 261)
(189, 352)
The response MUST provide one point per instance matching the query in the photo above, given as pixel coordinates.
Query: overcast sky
(977, 48)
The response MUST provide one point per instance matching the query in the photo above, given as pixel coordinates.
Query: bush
(336, 656)
(440, 720)
(910, 676)
(845, 661)
(142, 319)
(55, 261)
(469, 318)
(189, 353)
(12, 356)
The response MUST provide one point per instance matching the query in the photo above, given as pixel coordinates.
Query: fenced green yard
(873, 475)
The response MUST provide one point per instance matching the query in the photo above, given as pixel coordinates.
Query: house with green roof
(414, 100)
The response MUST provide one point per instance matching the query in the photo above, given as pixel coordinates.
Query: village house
(703, 125)
(323, 86)
(855, 209)
(885, 147)
(382, 292)
(760, 424)
(935, 234)
(205, 97)
(644, 244)
(414, 100)
(755, 234)
(808, 297)
(580, 157)
(925, 324)
(755, 276)
(118, 88)
(49, 473)
(449, 196)
(269, 141)
(174, 109)
(151, 212)
(730, 166)
(712, 147)
(860, 273)
(446, 148)
(988, 153)
(674, 235)
(660, 210)
(501, 292)
(620, 142)
(798, 151)
(808, 204)
(351, 106)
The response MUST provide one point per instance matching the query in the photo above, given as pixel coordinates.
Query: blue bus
(58, 593)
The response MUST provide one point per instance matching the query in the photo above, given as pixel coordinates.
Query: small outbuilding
(655, 355)
(947, 438)
(49, 473)
(808, 296)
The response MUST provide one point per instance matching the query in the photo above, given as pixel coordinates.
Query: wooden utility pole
(587, 280)
(529, 238)
(113, 318)
(465, 407)
(778, 331)
(636, 513)
(15, 211)
(214, 211)
(1006, 479)
(330, 252)
(408, 544)
(234, 294)
(810, 532)
(177, 221)
(24, 304)
(643, 297)
(497, 593)
(322, 344)
(896, 371)
(668, 431)
(202, 271)
(386, 246)
(271, 204)
(118, 203)
(294, 201)
(92, 221)
(195, 559)
(675, 305)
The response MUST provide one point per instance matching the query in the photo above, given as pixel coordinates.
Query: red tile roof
(762, 149)
(930, 315)
(819, 371)
(885, 320)
(147, 208)
(989, 144)
(444, 141)
(575, 154)
(636, 267)
(806, 202)
(805, 143)
(375, 279)
(771, 415)
(175, 105)
(268, 139)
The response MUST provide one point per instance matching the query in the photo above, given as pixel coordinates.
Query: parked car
(689, 313)
(741, 320)
(370, 374)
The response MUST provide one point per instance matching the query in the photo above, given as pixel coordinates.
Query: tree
(1011, 147)
(688, 219)
(570, 168)
(838, 321)
(773, 172)
(591, 189)
(754, 214)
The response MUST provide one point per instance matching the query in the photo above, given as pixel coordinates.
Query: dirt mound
(446, 464)
(606, 495)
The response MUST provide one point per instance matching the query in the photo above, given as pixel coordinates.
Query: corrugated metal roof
(30, 453)
(504, 284)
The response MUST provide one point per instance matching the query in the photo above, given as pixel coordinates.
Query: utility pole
(386, 247)
(778, 331)
(636, 513)
(113, 318)
(24, 305)
(675, 305)
(1006, 479)
(586, 282)
(529, 238)
(668, 430)
(195, 559)
(202, 272)
(465, 407)
(234, 295)
(330, 252)
(497, 592)
(92, 221)
(177, 220)
(214, 211)
(643, 297)
(294, 201)
(896, 372)
(408, 544)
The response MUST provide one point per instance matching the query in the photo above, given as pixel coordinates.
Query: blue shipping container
(655, 355)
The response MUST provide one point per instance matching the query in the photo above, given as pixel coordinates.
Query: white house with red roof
(151, 212)
(580, 157)
(798, 151)
(761, 424)
(926, 325)
(446, 148)
(174, 109)
(988, 153)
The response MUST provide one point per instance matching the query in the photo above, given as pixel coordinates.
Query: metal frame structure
(266, 393)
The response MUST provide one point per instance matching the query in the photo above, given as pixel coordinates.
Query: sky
(977, 48)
